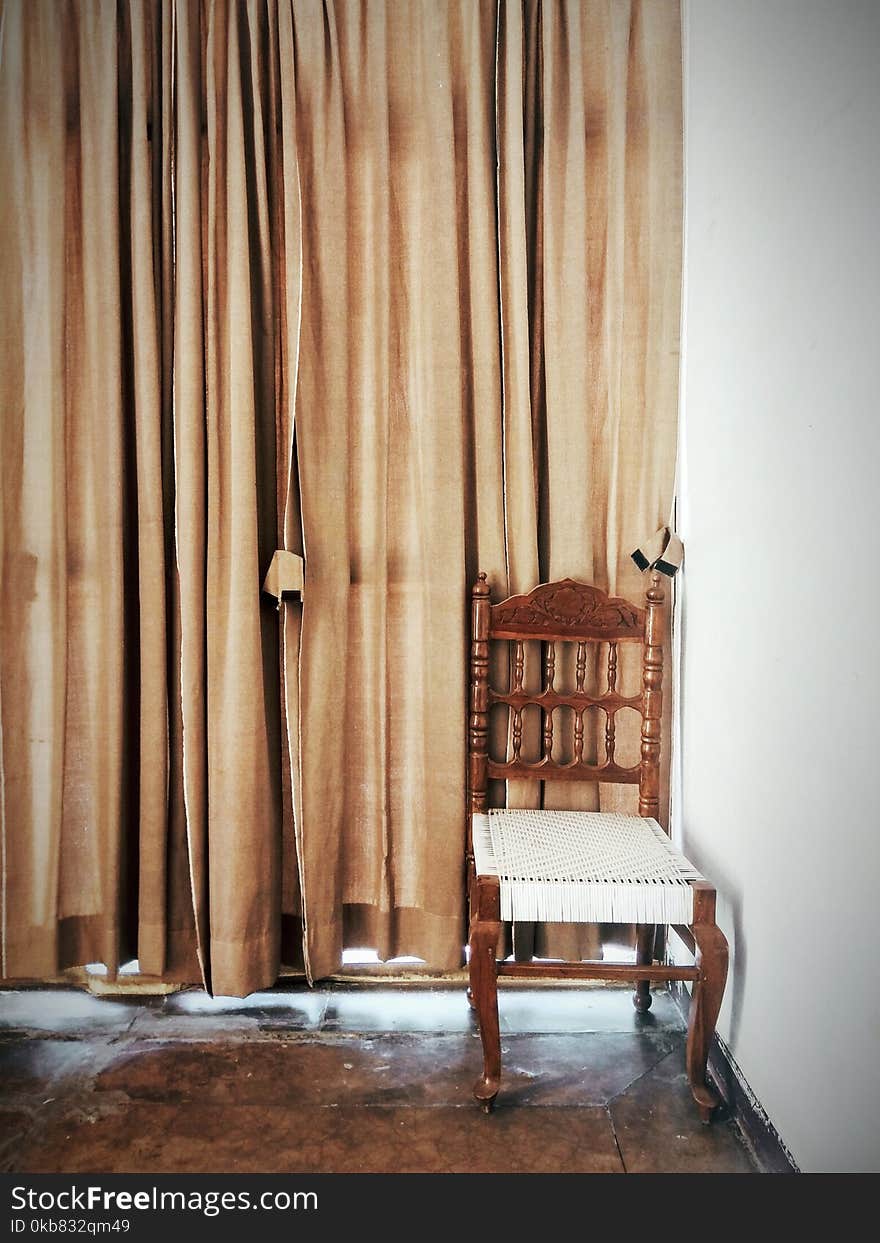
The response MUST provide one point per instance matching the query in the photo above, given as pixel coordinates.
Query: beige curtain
(144, 346)
(448, 236)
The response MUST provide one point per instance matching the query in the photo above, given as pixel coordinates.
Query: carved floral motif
(568, 604)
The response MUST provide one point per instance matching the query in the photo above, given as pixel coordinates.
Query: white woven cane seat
(583, 867)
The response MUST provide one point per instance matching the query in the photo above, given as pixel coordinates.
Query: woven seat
(529, 867)
(583, 867)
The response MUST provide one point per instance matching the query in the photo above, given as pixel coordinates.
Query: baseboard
(740, 1102)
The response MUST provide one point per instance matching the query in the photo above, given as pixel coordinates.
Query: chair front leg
(485, 932)
(645, 936)
(712, 957)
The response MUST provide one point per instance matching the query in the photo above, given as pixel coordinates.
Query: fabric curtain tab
(285, 575)
(663, 551)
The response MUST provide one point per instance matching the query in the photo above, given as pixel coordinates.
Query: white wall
(781, 641)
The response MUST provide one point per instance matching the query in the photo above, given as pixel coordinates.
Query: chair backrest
(565, 612)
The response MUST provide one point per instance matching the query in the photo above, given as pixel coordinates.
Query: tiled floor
(348, 1078)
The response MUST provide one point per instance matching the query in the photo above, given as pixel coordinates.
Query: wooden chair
(587, 867)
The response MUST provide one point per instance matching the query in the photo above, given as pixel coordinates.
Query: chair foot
(705, 1004)
(707, 1103)
(486, 1092)
(642, 1000)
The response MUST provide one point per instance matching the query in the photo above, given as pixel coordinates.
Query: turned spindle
(581, 670)
(479, 701)
(609, 736)
(579, 736)
(518, 663)
(652, 699)
(548, 733)
(517, 733)
(549, 677)
(612, 668)
(549, 666)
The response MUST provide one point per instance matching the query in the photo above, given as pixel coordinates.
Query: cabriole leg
(485, 934)
(705, 1004)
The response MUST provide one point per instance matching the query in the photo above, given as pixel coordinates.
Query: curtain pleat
(393, 285)
(190, 448)
(288, 233)
(395, 155)
(143, 240)
(33, 207)
(242, 754)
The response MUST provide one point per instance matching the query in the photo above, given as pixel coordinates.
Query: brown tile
(217, 1085)
(14, 1123)
(37, 1066)
(659, 1129)
(588, 1068)
(584, 1009)
(400, 1069)
(308, 1005)
(401, 1009)
(193, 1014)
(246, 1138)
(333, 1070)
(300, 1009)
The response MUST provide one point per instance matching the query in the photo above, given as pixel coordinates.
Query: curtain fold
(288, 207)
(395, 285)
(399, 349)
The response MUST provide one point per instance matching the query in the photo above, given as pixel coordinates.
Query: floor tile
(386, 1069)
(64, 1011)
(411, 1010)
(195, 1014)
(14, 1125)
(347, 1078)
(589, 1068)
(659, 1130)
(155, 1138)
(329, 1070)
(584, 1010)
(35, 1065)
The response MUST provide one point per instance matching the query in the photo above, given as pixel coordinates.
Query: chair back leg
(645, 937)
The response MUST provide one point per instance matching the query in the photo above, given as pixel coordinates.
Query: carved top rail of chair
(566, 611)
